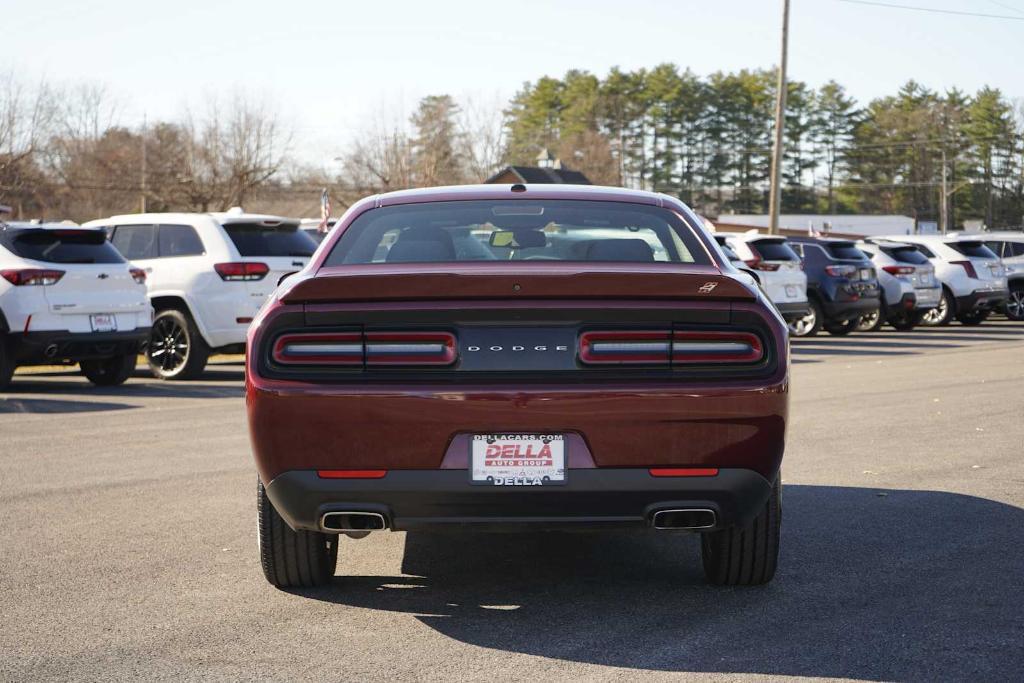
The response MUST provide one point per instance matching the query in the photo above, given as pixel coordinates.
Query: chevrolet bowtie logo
(103, 276)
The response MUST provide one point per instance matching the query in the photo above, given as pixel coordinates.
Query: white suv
(777, 267)
(67, 296)
(1010, 247)
(208, 275)
(973, 278)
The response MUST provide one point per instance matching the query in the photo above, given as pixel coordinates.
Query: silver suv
(1009, 246)
(909, 286)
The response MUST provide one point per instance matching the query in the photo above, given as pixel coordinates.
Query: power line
(1005, 6)
(933, 10)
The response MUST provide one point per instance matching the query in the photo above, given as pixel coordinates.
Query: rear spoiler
(386, 282)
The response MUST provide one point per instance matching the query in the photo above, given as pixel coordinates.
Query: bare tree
(483, 131)
(26, 118)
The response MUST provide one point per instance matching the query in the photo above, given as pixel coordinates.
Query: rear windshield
(845, 250)
(774, 250)
(905, 255)
(63, 246)
(518, 230)
(254, 239)
(972, 249)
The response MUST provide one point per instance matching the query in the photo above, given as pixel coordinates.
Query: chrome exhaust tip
(353, 521)
(685, 519)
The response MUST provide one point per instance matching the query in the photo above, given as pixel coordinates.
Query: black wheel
(6, 363)
(870, 322)
(176, 349)
(841, 329)
(973, 318)
(292, 559)
(941, 314)
(904, 321)
(1015, 304)
(810, 324)
(746, 556)
(109, 371)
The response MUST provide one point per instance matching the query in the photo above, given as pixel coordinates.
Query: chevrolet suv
(207, 274)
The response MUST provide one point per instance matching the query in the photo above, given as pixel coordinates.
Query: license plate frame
(792, 291)
(103, 322)
(525, 465)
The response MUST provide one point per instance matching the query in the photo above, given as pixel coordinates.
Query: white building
(839, 225)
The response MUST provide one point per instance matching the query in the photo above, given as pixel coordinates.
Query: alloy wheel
(802, 326)
(168, 345)
(1015, 305)
(869, 321)
(936, 315)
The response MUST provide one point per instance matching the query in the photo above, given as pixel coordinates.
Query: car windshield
(845, 251)
(905, 255)
(256, 239)
(63, 246)
(973, 249)
(542, 230)
(774, 250)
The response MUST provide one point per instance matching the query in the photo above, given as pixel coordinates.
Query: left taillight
(369, 349)
(139, 275)
(32, 276)
(665, 347)
(241, 271)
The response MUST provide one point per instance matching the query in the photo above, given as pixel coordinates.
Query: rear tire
(810, 324)
(176, 350)
(1015, 304)
(6, 363)
(941, 314)
(973, 318)
(904, 322)
(871, 322)
(292, 559)
(746, 556)
(109, 372)
(841, 329)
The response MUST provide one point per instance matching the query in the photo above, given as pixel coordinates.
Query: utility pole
(780, 119)
(142, 184)
(944, 209)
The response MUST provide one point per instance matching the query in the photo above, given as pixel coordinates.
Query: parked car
(208, 275)
(972, 277)
(1009, 246)
(842, 285)
(573, 384)
(67, 296)
(908, 283)
(776, 266)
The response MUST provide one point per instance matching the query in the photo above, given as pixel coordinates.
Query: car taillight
(139, 275)
(967, 266)
(758, 264)
(410, 348)
(657, 347)
(241, 271)
(328, 348)
(372, 348)
(841, 271)
(899, 270)
(32, 276)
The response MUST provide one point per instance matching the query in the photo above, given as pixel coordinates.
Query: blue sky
(331, 67)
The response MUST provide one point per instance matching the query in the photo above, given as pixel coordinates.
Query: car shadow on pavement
(72, 384)
(12, 404)
(873, 584)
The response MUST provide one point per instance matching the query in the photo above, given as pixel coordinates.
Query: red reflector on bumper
(351, 474)
(683, 471)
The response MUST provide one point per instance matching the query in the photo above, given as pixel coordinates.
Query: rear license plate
(103, 322)
(518, 459)
(865, 274)
(791, 291)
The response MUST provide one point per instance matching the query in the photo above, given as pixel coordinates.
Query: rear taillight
(681, 347)
(967, 266)
(32, 276)
(241, 271)
(356, 349)
(139, 275)
(329, 348)
(841, 271)
(410, 348)
(899, 270)
(758, 264)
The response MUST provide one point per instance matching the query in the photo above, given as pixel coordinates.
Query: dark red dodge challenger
(518, 357)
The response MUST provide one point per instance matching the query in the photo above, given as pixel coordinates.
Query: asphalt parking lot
(127, 545)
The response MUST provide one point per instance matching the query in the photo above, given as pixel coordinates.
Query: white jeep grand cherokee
(208, 274)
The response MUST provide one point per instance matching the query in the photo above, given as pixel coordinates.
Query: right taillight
(967, 266)
(899, 270)
(22, 277)
(241, 271)
(664, 347)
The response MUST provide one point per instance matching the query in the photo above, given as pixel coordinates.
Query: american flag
(325, 211)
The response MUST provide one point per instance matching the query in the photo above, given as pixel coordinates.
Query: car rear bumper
(590, 498)
(907, 302)
(847, 310)
(982, 300)
(793, 310)
(55, 346)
